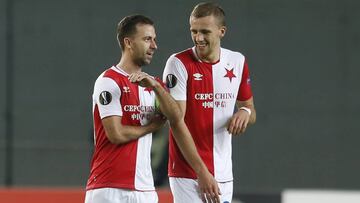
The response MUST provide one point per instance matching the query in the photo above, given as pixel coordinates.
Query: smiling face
(206, 33)
(142, 44)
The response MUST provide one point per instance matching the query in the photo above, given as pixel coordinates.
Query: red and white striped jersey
(128, 165)
(210, 91)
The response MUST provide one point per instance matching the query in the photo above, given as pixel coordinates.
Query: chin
(146, 62)
(203, 53)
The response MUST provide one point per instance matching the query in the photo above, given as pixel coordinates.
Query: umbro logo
(197, 76)
(126, 89)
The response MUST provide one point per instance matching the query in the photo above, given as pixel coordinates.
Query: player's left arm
(165, 102)
(246, 113)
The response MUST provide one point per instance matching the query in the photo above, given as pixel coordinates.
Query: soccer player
(208, 81)
(127, 107)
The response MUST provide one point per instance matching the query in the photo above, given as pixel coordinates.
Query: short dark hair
(207, 9)
(127, 26)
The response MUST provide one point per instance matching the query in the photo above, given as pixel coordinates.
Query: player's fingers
(205, 194)
(140, 78)
(238, 126)
(216, 198)
(245, 124)
(133, 77)
(232, 126)
(228, 125)
(212, 194)
(243, 129)
(130, 77)
(209, 197)
(202, 193)
(217, 191)
(216, 194)
(235, 125)
(203, 198)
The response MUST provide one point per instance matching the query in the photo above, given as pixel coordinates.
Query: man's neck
(127, 65)
(211, 58)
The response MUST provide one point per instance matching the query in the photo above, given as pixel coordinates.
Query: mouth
(202, 45)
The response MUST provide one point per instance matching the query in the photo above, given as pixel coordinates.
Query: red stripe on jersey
(245, 87)
(198, 118)
(115, 165)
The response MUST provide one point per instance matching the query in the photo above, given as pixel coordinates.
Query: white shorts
(116, 195)
(185, 190)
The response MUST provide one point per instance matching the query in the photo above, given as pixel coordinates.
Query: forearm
(120, 134)
(129, 133)
(168, 105)
(187, 146)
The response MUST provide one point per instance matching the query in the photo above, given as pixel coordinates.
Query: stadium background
(303, 58)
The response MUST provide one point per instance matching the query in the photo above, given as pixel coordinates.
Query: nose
(153, 44)
(199, 37)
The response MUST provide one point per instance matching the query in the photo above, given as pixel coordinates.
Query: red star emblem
(148, 89)
(230, 74)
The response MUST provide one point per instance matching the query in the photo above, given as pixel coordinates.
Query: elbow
(117, 139)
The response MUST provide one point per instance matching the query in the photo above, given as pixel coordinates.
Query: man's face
(143, 44)
(206, 33)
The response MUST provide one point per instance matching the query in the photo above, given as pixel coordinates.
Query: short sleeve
(175, 77)
(107, 97)
(245, 92)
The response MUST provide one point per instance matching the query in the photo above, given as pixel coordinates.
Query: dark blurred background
(304, 62)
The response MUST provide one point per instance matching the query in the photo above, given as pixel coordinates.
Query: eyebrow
(149, 36)
(201, 30)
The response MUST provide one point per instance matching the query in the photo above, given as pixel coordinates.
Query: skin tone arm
(118, 133)
(241, 119)
(211, 192)
(175, 114)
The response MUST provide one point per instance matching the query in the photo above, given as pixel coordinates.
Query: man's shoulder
(185, 56)
(185, 52)
(231, 53)
(113, 74)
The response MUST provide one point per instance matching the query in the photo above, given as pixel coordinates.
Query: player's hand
(157, 122)
(209, 189)
(238, 122)
(143, 79)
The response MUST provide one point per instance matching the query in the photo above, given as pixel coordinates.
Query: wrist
(155, 84)
(245, 109)
(201, 170)
(150, 128)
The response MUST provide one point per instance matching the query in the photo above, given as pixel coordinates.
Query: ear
(222, 31)
(127, 42)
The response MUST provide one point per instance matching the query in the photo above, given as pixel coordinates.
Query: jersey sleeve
(107, 97)
(175, 77)
(245, 92)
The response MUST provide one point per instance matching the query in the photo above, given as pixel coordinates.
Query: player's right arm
(107, 98)
(118, 133)
(175, 77)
